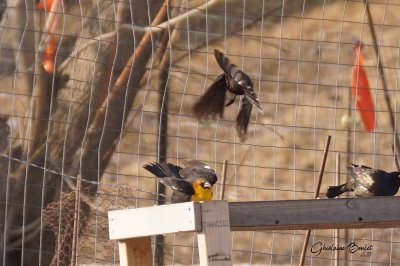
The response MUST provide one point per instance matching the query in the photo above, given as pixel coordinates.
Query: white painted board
(155, 220)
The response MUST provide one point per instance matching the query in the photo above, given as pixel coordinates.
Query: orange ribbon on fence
(49, 54)
(44, 5)
(361, 90)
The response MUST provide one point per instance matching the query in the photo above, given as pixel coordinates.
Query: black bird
(367, 182)
(212, 103)
(192, 183)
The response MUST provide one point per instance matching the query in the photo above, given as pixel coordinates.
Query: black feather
(178, 197)
(251, 96)
(243, 119)
(178, 184)
(211, 103)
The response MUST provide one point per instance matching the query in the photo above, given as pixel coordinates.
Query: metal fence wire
(93, 90)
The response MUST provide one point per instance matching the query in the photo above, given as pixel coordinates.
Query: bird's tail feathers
(251, 97)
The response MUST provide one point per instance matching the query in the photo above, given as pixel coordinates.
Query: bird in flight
(366, 181)
(194, 182)
(212, 103)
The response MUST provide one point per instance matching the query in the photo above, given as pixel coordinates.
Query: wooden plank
(129, 223)
(214, 240)
(371, 212)
(135, 252)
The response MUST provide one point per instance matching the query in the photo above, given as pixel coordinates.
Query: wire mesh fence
(93, 90)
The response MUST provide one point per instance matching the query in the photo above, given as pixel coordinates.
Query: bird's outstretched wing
(194, 163)
(196, 169)
(178, 184)
(243, 119)
(163, 169)
(225, 64)
(168, 174)
(212, 102)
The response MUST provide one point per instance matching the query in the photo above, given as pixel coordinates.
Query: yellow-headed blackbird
(366, 181)
(212, 102)
(192, 183)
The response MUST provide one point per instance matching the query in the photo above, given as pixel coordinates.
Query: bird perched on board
(366, 181)
(194, 182)
(212, 102)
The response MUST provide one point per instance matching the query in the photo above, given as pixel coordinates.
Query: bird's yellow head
(202, 190)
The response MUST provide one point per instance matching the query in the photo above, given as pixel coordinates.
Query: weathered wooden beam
(214, 239)
(371, 212)
(212, 222)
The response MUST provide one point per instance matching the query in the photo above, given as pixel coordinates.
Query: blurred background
(93, 90)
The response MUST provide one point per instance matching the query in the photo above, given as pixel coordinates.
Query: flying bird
(366, 181)
(194, 182)
(212, 103)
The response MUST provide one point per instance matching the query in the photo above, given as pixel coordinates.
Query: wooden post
(214, 240)
(224, 169)
(135, 251)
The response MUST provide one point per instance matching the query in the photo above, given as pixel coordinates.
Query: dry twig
(316, 194)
